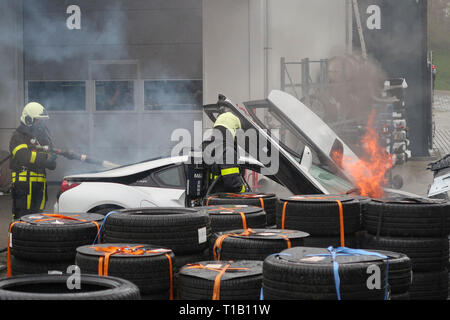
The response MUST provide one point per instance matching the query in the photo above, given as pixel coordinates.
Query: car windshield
(293, 142)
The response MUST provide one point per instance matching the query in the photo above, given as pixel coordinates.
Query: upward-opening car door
(292, 172)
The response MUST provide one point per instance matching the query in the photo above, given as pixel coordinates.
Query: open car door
(292, 172)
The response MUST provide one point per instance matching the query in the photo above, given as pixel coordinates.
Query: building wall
(244, 41)
(119, 40)
(11, 74)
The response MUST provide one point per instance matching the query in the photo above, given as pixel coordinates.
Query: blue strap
(101, 228)
(343, 251)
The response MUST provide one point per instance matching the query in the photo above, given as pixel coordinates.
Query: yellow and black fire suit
(228, 172)
(28, 166)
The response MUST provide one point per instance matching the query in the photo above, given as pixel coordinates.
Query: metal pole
(360, 31)
(283, 74)
(305, 80)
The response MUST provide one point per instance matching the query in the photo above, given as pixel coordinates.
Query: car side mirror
(306, 161)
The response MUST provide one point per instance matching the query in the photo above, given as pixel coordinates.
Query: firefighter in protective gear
(222, 155)
(28, 166)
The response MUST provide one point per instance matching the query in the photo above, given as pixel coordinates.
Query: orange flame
(369, 172)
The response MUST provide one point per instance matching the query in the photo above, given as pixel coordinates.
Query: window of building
(58, 95)
(114, 95)
(173, 94)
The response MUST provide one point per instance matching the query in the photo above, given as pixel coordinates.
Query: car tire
(407, 217)
(267, 201)
(22, 267)
(319, 215)
(183, 230)
(231, 217)
(303, 273)
(254, 245)
(243, 283)
(55, 239)
(54, 287)
(430, 285)
(151, 271)
(426, 254)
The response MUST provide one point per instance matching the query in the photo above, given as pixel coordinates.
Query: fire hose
(76, 156)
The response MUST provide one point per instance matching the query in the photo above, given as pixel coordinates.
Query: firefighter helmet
(32, 111)
(229, 121)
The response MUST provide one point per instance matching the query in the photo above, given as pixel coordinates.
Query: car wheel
(55, 287)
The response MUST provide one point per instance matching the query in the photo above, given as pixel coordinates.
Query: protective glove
(50, 163)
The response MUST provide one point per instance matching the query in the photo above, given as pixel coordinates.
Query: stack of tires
(55, 287)
(329, 219)
(230, 217)
(150, 268)
(253, 244)
(220, 280)
(42, 243)
(418, 228)
(307, 273)
(183, 230)
(267, 201)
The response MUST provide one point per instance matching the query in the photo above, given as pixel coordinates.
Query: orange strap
(244, 221)
(222, 208)
(54, 216)
(103, 262)
(216, 289)
(8, 254)
(219, 241)
(261, 200)
(230, 210)
(341, 218)
(247, 232)
(341, 222)
(221, 272)
(283, 214)
(170, 275)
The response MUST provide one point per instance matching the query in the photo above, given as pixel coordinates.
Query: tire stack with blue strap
(419, 228)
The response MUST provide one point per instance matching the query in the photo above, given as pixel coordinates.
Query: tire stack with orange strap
(230, 217)
(220, 280)
(185, 231)
(267, 201)
(419, 228)
(330, 220)
(45, 242)
(254, 244)
(150, 268)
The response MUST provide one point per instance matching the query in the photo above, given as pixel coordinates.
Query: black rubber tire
(23, 267)
(48, 241)
(400, 271)
(426, 254)
(198, 284)
(228, 217)
(407, 218)
(54, 287)
(430, 285)
(257, 245)
(401, 296)
(181, 260)
(269, 202)
(182, 230)
(351, 241)
(150, 271)
(318, 215)
(295, 275)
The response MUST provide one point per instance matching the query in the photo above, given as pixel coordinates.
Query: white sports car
(304, 152)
